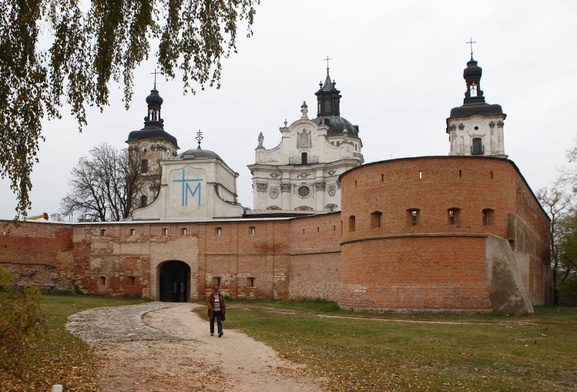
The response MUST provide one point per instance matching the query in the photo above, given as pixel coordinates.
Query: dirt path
(167, 347)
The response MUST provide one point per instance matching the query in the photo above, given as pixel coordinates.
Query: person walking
(216, 310)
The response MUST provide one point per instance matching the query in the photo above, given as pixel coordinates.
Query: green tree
(69, 50)
(20, 318)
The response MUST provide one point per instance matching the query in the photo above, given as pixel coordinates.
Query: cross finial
(471, 42)
(155, 73)
(199, 137)
(327, 60)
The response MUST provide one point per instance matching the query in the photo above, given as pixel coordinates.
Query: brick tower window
(488, 217)
(376, 219)
(352, 223)
(454, 216)
(413, 216)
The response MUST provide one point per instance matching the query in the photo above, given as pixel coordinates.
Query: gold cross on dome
(471, 42)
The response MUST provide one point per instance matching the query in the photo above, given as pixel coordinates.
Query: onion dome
(153, 123)
(474, 102)
(328, 100)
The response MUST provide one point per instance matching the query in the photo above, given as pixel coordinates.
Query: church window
(352, 223)
(473, 90)
(488, 217)
(144, 166)
(477, 147)
(413, 215)
(376, 219)
(454, 216)
(304, 191)
(304, 158)
(250, 281)
(143, 201)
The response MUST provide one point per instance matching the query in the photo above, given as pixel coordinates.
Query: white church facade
(301, 173)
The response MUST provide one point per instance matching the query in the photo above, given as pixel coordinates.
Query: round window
(304, 191)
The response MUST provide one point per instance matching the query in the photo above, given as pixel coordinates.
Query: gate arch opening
(174, 281)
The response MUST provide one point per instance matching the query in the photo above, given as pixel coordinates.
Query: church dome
(154, 98)
(198, 153)
(472, 70)
(337, 125)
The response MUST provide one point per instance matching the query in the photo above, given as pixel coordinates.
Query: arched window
(352, 223)
(143, 201)
(477, 147)
(144, 166)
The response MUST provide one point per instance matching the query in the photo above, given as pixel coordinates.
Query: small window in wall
(488, 217)
(352, 223)
(144, 166)
(454, 215)
(218, 231)
(250, 282)
(143, 201)
(252, 230)
(376, 219)
(132, 231)
(413, 216)
(131, 280)
(304, 158)
(183, 231)
(165, 231)
(102, 232)
(420, 174)
(477, 148)
(102, 281)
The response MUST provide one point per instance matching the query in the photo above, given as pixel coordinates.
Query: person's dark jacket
(210, 303)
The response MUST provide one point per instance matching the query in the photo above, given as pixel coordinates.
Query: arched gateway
(174, 281)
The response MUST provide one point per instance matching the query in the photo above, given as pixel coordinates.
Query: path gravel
(161, 346)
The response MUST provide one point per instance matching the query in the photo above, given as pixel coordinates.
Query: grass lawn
(59, 357)
(354, 351)
(425, 351)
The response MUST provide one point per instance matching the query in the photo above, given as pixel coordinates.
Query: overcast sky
(399, 68)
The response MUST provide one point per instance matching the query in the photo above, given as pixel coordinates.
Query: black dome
(154, 98)
(337, 125)
(472, 70)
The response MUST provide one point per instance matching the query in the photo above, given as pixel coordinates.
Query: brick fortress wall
(415, 230)
(370, 256)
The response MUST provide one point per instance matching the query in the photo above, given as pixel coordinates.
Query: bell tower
(476, 127)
